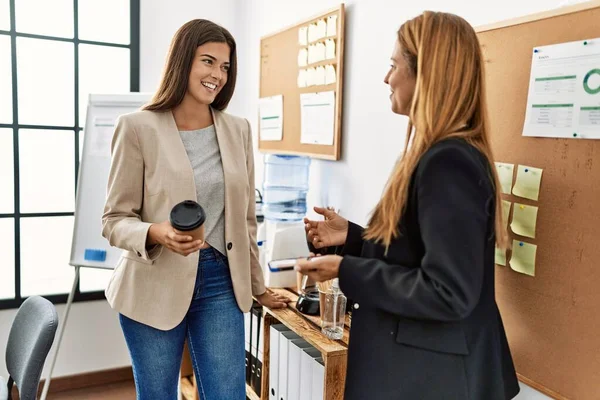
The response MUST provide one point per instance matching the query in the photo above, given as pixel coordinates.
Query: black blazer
(425, 324)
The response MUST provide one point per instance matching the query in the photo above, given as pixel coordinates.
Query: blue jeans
(214, 328)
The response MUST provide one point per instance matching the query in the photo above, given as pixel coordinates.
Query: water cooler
(281, 235)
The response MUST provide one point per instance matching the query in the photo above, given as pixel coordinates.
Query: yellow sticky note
(523, 257)
(505, 211)
(528, 182)
(505, 175)
(500, 257)
(524, 220)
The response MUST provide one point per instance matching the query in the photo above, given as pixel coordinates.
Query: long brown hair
(174, 82)
(444, 54)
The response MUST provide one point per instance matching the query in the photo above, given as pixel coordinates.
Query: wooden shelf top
(307, 326)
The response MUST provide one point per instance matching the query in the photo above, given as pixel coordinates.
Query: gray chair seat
(3, 389)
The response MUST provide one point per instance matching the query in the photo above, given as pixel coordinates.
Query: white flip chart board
(88, 247)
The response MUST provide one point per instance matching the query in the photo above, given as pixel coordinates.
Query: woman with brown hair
(168, 287)
(426, 325)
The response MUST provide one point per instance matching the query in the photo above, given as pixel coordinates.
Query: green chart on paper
(564, 91)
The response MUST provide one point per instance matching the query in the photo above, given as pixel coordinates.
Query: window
(43, 17)
(53, 54)
(4, 15)
(6, 113)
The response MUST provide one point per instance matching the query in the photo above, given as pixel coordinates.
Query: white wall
(159, 22)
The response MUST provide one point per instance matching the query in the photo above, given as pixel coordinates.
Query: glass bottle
(335, 311)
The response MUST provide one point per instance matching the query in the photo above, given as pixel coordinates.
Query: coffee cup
(188, 217)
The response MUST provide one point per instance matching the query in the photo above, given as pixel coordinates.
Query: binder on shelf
(284, 341)
(257, 365)
(261, 328)
(318, 379)
(306, 361)
(247, 344)
(294, 357)
(258, 385)
(261, 347)
(249, 358)
(253, 346)
(275, 331)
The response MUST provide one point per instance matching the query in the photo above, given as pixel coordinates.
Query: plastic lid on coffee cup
(187, 216)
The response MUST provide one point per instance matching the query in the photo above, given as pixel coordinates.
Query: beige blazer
(150, 172)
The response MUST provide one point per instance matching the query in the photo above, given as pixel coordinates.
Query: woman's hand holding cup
(183, 233)
(177, 241)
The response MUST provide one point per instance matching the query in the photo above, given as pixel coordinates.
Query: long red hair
(443, 53)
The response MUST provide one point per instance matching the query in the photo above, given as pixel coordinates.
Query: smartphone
(286, 264)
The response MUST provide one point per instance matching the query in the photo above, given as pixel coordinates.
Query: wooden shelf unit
(334, 352)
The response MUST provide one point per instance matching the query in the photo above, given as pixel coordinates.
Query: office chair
(31, 336)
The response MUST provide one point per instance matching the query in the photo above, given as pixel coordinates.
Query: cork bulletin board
(283, 74)
(552, 319)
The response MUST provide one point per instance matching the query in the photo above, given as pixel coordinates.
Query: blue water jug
(285, 186)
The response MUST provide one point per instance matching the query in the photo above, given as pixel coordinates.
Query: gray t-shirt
(203, 151)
